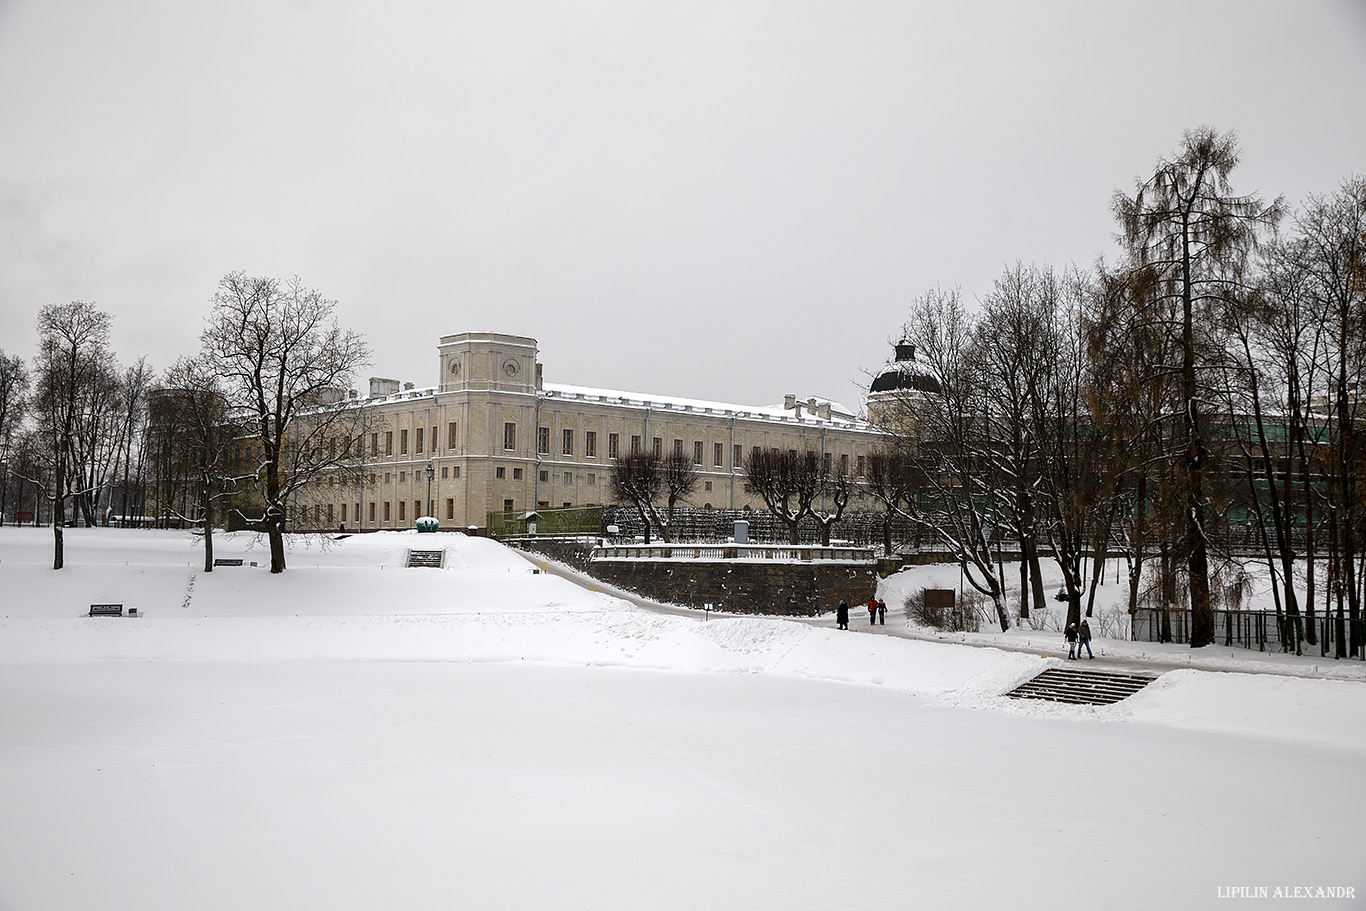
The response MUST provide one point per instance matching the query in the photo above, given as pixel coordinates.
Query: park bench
(106, 610)
(227, 561)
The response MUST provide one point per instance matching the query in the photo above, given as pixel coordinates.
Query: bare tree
(892, 478)
(1187, 237)
(285, 362)
(13, 386)
(965, 500)
(837, 488)
(1334, 256)
(196, 420)
(1010, 343)
(787, 482)
(72, 359)
(636, 479)
(643, 479)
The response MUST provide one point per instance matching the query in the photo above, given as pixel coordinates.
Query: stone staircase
(433, 558)
(1079, 687)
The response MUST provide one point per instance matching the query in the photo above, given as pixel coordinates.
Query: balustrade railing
(786, 553)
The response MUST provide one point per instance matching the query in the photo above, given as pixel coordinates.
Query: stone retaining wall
(741, 587)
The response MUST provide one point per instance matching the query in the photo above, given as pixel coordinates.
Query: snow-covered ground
(358, 735)
(1110, 625)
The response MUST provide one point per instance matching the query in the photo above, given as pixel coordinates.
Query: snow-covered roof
(838, 413)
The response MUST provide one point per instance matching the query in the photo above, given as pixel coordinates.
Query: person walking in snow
(1084, 638)
(842, 616)
(1071, 636)
(881, 612)
(872, 611)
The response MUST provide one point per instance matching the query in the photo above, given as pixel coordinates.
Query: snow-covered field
(358, 735)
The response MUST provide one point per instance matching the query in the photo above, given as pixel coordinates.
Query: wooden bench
(226, 562)
(106, 610)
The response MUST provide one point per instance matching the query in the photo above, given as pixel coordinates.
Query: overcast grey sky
(728, 201)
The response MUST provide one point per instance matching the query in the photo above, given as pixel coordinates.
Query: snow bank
(354, 600)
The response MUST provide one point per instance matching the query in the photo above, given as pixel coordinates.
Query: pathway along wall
(739, 587)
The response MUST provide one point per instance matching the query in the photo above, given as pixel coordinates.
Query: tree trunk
(58, 520)
(206, 505)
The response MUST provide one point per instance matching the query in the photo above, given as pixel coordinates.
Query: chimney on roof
(824, 411)
(789, 402)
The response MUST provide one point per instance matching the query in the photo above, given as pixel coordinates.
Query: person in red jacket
(872, 611)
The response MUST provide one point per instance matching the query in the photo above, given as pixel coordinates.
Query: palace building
(492, 437)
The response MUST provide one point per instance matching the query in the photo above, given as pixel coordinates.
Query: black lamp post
(431, 473)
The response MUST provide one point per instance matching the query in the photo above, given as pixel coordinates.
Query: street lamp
(431, 473)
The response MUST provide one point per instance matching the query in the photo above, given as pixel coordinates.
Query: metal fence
(565, 521)
(1337, 637)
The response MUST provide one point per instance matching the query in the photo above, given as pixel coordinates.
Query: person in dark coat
(842, 615)
(872, 611)
(1084, 638)
(1071, 636)
(881, 612)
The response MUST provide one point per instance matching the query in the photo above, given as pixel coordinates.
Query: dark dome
(896, 378)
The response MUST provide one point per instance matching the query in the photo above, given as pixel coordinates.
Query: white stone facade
(498, 439)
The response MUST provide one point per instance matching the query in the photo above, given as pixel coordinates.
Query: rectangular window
(509, 435)
(372, 477)
(455, 472)
(388, 477)
(450, 507)
(860, 466)
(718, 452)
(343, 512)
(697, 452)
(329, 513)
(657, 446)
(754, 451)
(516, 474)
(569, 477)
(372, 511)
(445, 472)
(402, 510)
(500, 472)
(543, 439)
(417, 509)
(507, 506)
(388, 442)
(450, 439)
(735, 456)
(374, 444)
(386, 510)
(635, 444)
(826, 462)
(708, 485)
(613, 444)
(435, 439)
(544, 477)
(403, 442)
(844, 463)
(590, 444)
(592, 479)
(402, 477)
(419, 440)
(567, 443)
